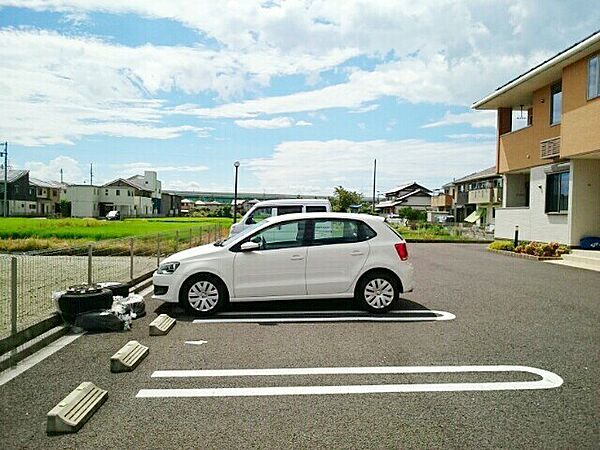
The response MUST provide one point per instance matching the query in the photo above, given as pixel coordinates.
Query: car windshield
(246, 231)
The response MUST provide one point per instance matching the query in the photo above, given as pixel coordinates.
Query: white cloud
(269, 124)
(413, 79)
(63, 88)
(182, 185)
(135, 168)
(472, 136)
(317, 166)
(434, 51)
(50, 171)
(477, 119)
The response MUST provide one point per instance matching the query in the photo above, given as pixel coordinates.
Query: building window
(555, 103)
(594, 77)
(557, 192)
(117, 192)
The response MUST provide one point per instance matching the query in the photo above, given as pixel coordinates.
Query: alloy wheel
(379, 293)
(203, 296)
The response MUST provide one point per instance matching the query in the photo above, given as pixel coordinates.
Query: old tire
(377, 292)
(71, 304)
(118, 289)
(203, 295)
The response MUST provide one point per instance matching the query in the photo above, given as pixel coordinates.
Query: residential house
(170, 204)
(187, 206)
(128, 197)
(551, 167)
(20, 195)
(411, 195)
(84, 199)
(473, 198)
(149, 181)
(201, 205)
(48, 195)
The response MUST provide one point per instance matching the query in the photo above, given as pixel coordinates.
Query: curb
(525, 255)
(19, 353)
(446, 241)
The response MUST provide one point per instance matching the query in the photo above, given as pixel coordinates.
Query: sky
(305, 94)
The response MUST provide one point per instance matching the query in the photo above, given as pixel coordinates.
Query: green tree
(342, 199)
(412, 214)
(64, 208)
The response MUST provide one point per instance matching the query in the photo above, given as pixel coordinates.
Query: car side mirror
(249, 246)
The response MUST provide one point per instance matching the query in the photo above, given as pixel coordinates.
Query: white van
(270, 208)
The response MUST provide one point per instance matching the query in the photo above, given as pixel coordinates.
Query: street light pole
(374, 182)
(5, 202)
(236, 165)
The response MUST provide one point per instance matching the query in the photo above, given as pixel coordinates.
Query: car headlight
(167, 268)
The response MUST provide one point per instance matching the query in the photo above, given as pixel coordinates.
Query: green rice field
(26, 234)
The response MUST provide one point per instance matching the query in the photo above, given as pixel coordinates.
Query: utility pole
(61, 176)
(91, 174)
(374, 181)
(5, 203)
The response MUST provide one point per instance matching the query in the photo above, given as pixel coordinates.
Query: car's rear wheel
(203, 295)
(378, 292)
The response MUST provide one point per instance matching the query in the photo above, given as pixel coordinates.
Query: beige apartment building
(551, 166)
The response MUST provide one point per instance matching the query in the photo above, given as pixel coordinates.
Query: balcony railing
(462, 198)
(550, 148)
(441, 201)
(486, 195)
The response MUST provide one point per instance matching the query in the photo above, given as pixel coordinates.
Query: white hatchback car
(295, 256)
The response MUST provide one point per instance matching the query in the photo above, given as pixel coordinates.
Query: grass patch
(94, 229)
(28, 234)
(432, 233)
(502, 245)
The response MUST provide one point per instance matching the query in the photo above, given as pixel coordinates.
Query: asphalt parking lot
(507, 311)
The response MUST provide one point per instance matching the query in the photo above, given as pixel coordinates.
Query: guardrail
(27, 280)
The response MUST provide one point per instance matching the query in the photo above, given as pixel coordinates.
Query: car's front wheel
(203, 295)
(377, 292)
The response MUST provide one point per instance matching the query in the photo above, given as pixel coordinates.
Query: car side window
(310, 209)
(327, 232)
(282, 210)
(259, 214)
(283, 235)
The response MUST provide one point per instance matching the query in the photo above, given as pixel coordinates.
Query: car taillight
(402, 250)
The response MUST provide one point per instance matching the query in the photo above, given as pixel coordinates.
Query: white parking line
(548, 380)
(196, 342)
(395, 317)
(348, 311)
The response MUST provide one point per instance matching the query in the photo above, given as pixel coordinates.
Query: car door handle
(297, 258)
(356, 253)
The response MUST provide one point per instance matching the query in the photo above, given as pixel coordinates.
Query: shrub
(502, 245)
(542, 249)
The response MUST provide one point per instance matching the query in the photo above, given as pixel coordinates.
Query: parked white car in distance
(270, 208)
(296, 256)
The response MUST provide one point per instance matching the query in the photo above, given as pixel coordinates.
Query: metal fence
(27, 280)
